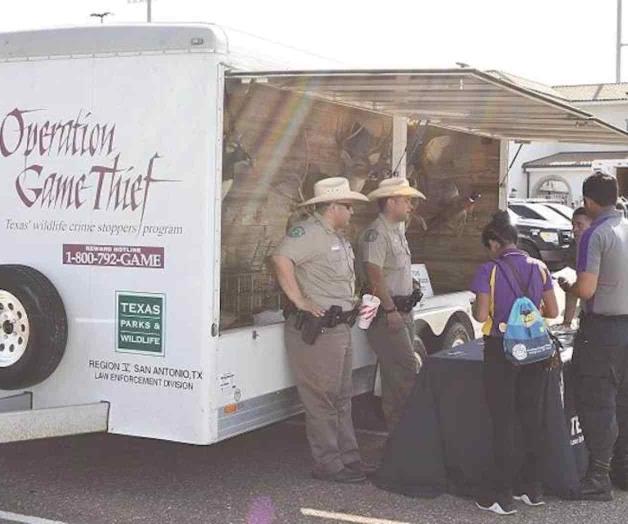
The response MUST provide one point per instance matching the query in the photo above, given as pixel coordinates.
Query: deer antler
(379, 146)
(306, 169)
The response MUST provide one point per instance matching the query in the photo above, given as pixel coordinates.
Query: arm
(481, 307)
(584, 287)
(288, 282)
(590, 252)
(571, 304)
(379, 289)
(378, 285)
(481, 286)
(549, 307)
(373, 255)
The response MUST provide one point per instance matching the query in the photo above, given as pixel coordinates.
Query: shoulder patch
(371, 235)
(296, 232)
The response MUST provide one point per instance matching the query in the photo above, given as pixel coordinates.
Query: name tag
(335, 248)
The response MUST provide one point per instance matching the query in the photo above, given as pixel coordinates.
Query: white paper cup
(368, 310)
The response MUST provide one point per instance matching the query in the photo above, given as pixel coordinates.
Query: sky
(552, 41)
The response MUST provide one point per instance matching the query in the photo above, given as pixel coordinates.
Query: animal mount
(364, 155)
(236, 162)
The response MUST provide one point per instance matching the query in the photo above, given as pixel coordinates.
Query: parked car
(543, 233)
(561, 209)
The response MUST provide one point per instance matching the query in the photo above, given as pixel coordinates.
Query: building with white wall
(557, 170)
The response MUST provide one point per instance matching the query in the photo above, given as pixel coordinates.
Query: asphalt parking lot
(258, 478)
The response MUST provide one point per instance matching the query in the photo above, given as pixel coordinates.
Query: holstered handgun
(313, 326)
(405, 304)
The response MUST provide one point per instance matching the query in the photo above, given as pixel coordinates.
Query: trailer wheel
(33, 327)
(456, 335)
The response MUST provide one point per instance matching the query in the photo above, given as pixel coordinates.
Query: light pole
(149, 8)
(619, 45)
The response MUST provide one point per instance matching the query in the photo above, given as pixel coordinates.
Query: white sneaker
(495, 507)
(530, 501)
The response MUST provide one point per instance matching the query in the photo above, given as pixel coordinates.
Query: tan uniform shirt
(385, 245)
(323, 262)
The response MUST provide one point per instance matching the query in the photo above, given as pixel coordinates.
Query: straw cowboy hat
(392, 187)
(333, 189)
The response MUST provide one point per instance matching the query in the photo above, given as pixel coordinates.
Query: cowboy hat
(392, 187)
(333, 189)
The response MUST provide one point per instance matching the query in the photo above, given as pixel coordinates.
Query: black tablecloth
(443, 442)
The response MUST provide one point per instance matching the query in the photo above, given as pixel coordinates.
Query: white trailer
(111, 222)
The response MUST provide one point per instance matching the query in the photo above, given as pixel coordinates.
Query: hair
(322, 207)
(381, 204)
(500, 230)
(580, 211)
(602, 189)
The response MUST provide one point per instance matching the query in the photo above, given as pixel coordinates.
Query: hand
(305, 304)
(394, 321)
(553, 362)
(566, 324)
(564, 284)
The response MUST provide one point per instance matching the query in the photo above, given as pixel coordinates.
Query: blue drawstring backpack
(527, 339)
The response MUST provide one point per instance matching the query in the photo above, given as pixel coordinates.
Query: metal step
(33, 424)
(17, 402)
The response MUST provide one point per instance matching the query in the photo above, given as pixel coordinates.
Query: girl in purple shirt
(511, 391)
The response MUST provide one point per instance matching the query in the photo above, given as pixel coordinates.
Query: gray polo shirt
(603, 251)
(324, 263)
(384, 244)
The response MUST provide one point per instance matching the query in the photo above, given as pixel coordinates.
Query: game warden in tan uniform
(385, 255)
(315, 269)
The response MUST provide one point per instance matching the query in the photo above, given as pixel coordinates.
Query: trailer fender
(438, 319)
(33, 327)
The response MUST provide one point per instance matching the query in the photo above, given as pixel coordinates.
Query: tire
(455, 335)
(33, 327)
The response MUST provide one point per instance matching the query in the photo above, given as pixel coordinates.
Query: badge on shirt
(371, 235)
(296, 232)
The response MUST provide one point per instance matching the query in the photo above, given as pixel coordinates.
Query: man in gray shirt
(386, 261)
(601, 348)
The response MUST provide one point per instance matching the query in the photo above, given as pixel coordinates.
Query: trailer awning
(467, 100)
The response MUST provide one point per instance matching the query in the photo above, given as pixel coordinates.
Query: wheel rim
(14, 329)
(459, 341)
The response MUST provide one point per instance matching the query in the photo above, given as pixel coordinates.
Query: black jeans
(600, 361)
(514, 394)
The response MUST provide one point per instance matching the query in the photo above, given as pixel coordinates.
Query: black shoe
(362, 467)
(619, 470)
(504, 505)
(597, 484)
(619, 478)
(344, 476)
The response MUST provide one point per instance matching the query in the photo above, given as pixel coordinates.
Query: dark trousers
(514, 394)
(600, 360)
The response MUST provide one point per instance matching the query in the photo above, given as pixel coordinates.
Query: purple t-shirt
(501, 294)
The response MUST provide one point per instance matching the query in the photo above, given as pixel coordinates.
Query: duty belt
(311, 327)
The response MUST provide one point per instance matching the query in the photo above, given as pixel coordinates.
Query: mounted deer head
(363, 154)
(236, 162)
